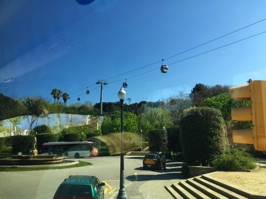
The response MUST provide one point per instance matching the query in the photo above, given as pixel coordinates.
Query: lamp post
(122, 192)
(164, 139)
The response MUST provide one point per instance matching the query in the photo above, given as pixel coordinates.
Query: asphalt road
(139, 183)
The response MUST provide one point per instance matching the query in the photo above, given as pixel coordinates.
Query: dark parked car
(152, 161)
(80, 187)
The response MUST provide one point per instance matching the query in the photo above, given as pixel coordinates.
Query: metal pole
(101, 94)
(141, 139)
(101, 98)
(122, 192)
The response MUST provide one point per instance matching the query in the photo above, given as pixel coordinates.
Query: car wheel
(76, 155)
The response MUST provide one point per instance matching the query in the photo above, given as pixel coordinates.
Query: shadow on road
(173, 171)
(134, 157)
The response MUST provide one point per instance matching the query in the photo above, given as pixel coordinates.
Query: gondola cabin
(87, 92)
(125, 85)
(164, 68)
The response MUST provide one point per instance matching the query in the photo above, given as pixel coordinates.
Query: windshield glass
(183, 81)
(73, 190)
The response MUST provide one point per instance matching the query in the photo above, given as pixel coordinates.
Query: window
(74, 190)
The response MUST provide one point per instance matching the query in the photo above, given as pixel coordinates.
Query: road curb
(66, 163)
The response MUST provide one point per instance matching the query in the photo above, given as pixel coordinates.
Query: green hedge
(5, 145)
(70, 137)
(174, 141)
(76, 133)
(22, 144)
(203, 135)
(156, 143)
(235, 159)
(46, 137)
(2, 144)
(40, 130)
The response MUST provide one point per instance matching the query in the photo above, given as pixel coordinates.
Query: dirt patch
(253, 181)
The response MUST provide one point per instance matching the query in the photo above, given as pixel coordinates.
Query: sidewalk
(153, 188)
(149, 190)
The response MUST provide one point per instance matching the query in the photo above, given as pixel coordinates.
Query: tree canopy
(200, 92)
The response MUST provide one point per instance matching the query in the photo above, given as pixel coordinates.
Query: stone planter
(199, 170)
(32, 160)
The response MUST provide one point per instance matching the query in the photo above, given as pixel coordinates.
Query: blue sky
(62, 44)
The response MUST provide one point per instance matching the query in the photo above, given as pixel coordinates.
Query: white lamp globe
(122, 94)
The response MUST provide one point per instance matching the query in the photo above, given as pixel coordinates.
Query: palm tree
(65, 97)
(59, 94)
(54, 93)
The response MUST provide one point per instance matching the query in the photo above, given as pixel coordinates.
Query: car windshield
(151, 156)
(71, 190)
(110, 89)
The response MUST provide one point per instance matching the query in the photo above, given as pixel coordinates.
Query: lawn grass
(80, 164)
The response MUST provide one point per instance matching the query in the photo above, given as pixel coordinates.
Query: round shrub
(40, 130)
(203, 135)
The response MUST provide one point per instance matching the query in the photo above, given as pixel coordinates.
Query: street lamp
(164, 139)
(122, 192)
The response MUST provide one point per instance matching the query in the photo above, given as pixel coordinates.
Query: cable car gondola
(87, 92)
(125, 85)
(164, 68)
(78, 99)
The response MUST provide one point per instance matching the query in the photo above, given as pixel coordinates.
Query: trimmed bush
(46, 137)
(235, 159)
(40, 130)
(70, 137)
(22, 144)
(203, 135)
(94, 134)
(156, 143)
(78, 129)
(185, 170)
(174, 142)
(2, 143)
(5, 145)
(77, 133)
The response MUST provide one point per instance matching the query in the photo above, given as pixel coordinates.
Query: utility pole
(129, 100)
(101, 96)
